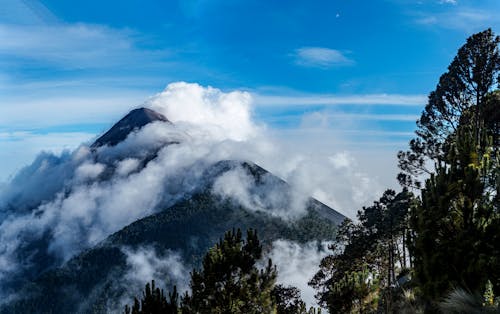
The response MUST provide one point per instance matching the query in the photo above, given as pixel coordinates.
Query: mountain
(134, 120)
(189, 224)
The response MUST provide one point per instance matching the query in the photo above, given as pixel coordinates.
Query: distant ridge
(134, 120)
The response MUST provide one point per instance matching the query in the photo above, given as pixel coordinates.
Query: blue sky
(355, 70)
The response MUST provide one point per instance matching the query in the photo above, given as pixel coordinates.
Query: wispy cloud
(448, 1)
(17, 149)
(330, 100)
(372, 117)
(320, 57)
(26, 12)
(23, 113)
(460, 18)
(72, 45)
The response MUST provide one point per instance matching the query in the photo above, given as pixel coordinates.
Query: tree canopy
(462, 96)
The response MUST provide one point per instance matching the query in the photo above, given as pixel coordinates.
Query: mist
(297, 264)
(145, 264)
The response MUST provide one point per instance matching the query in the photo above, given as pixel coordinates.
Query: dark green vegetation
(440, 251)
(229, 282)
(370, 258)
(88, 282)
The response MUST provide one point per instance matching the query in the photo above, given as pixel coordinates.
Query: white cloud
(332, 100)
(224, 115)
(55, 108)
(235, 184)
(22, 113)
(74, 46)
(320, 57)
(126, 166)
(341, 186)
(341, 160)
(89, 171)
(297, 264)
(18, 149)
(448, 1)
(268, 196)
(459, 18)
(145, 264)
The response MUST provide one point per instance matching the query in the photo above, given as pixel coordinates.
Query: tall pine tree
(456, 224)
(461, 96)
(229, 281)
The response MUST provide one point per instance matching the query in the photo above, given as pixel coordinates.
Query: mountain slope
(187, 223)
(190, 227)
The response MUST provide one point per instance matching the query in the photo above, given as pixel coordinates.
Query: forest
(433, 247)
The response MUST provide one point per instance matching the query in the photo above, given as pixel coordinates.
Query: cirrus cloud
(320, 57)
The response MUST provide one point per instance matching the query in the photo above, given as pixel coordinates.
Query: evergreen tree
(367, 258)
(461, 94)
(288, 301)
(154, 301)
(455, 231)
(456, 224)
(229, 281)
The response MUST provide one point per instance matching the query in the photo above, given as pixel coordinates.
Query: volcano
(187, 223)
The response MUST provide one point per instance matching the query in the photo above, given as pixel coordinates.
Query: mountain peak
(134, 120)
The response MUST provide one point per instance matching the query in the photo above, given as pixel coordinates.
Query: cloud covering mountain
(63, 204)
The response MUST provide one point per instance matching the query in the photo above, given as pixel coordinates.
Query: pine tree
(154, 301)
(288, 301)
(229, 281)
(367, 257)
(461, 94)
(456, 225)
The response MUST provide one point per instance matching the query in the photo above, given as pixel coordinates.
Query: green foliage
(154, 301)
(460, 301)
(489, 295)
(461, 96)
(288, 301)
(457, 221)
(455, 232)
(228, 282)
(360, 274)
